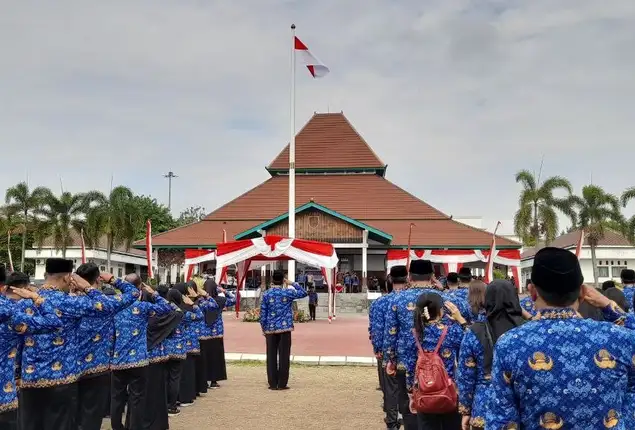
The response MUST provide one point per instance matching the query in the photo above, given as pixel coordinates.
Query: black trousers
(409, 419)
(93, 392)
(200, 362)
(450, 421)
(312, 311)
(9, 420)
(390, 389)
(173, 379)
(187, 385)
(53, 408)
(278, 359)
(156, 405)
(128, 387)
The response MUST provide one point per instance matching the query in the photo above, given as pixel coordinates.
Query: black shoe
(273, 388)
(214, 385)
(173, 412)
(283, 388)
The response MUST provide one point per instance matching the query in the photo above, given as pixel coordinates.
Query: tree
(115, 217)
(191, 215)
(149, 209)
(20, 198)
(597, 210)
(61, 215)
(629, 227)
(536, 216)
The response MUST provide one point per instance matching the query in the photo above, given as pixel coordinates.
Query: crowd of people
(86, 346)
(472, 356)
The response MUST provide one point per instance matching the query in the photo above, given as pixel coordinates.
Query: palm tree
(629, 228)
(21, 199)
(115, 217)
(60, 215)
(597, 211)
(536, 215)
(10, 224)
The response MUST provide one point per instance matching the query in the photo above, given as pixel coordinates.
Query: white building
(122, 261)
(613, 254)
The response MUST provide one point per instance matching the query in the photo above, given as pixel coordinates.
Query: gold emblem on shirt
(511, 426)
(132, 352)
(58, 341)
(135, 311)
(411, 306)
(58, 313)
(29, 369)
(393, 330)
(446, 353)
(469, 362)
(507, 377)
(8, 387)
(98, 306)
(20, 328)
(88, 358)
(179, 346)
(540, 361)
(604, 360)
(135, 332)
(394, 308)
(551, 421)
(29, 311)
(56, 366)
(611, 419)
(97, 338)
(29, 341)
(13, 353)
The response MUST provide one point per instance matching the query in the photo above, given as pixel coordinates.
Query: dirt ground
(320, 398)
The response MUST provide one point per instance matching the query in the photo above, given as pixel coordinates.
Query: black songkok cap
(465, 274)
(58, 265)
(3, 274)
(556, 270)
(278, 277)
(398, 274)
(628, 275)
(421, 267)
(452, 278)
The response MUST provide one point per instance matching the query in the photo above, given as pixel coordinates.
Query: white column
(365, 261)
(291, 265)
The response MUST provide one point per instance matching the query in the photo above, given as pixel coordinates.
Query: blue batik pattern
(131, 328)
(193, 323)
(27, 319)
(527, 304)
(472, 382)
(629, 293)
(218, 329)
(376, 319)
(276, 312)
(174, 344)
(6, 309)
(563, 372)
(50, 359)
(96, 334)
(204, 331)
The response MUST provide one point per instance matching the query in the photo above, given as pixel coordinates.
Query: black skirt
(187, 387)
(201, 371)
(215, 357)
(156, 402)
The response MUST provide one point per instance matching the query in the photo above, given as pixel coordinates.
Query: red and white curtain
(194, 257)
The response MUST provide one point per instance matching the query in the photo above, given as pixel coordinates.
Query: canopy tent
(252, 253)
(453, 259)
(194, 257)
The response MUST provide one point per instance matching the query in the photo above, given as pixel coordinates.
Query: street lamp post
(170, 175)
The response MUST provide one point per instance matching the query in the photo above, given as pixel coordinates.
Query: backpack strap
(416, 336)
(441, 339)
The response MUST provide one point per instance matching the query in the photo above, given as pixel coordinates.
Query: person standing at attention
(313, 302)
(562, 371)
(628, 281)
(276, 320)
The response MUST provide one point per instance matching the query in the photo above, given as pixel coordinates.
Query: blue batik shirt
(398, 342)
(50, 359)
(218, 329)
(276, 311)
(459, 298)
(193, 322)
(313, 298)
(96, 334)
(6, 309)
(629, 293)
(131, 328)
(563, 372)
(527, 304)
(376, 320)
(204, 331)
(28, 319)
(472, 381)
(174, 344)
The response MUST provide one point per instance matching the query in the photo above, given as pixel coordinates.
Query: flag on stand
(81, 233)
(489, 268)
(578, 247)
(149, 248)
(315, 66)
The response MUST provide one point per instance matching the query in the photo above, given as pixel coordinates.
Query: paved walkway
(345, 337)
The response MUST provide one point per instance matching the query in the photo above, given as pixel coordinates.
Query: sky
(454, 95)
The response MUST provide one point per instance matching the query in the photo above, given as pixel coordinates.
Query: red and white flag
(83, 247)
(315, 66)
(578, 246)
(149, 248)
(489, 268)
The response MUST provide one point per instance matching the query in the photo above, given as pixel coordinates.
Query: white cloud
(454, 95)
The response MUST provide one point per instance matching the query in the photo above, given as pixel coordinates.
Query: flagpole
(291, 263)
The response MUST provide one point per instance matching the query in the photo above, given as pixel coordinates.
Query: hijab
(503, 314)
(175, 296)
(212, 290)
(160, 327)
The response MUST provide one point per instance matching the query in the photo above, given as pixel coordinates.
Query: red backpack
(433, 391)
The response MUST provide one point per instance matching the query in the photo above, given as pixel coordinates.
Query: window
(603, 272)
(102, 268)
(617, 271)
(120, 273)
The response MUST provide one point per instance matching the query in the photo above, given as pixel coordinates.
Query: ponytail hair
(428, 308)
